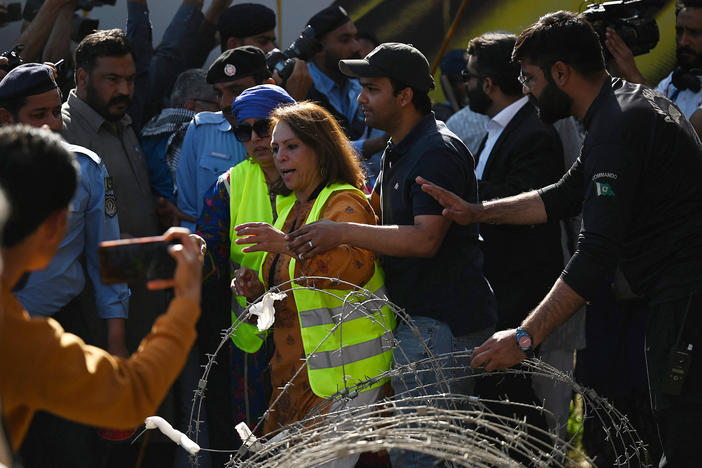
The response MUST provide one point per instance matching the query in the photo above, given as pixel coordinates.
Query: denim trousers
(438, 339)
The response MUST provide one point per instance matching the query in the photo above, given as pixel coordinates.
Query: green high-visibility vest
(248, 202)
(347, 335)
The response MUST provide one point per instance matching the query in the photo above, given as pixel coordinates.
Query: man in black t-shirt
(433, 267)
(637, 181)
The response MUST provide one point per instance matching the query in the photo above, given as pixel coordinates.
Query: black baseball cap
(237, 63)
(328, 20)
(393, 60)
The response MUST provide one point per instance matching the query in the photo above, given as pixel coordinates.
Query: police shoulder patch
(110, 205)
(110, 199)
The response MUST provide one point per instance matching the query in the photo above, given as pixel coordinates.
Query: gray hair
(191, 84)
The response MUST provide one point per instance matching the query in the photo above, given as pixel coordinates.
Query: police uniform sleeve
(101, 224)
(186, 176)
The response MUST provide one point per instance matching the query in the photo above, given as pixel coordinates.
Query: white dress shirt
(495, 127)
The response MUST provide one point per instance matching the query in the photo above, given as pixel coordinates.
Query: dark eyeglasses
(262, 127)
(466, 75)
(525, 81)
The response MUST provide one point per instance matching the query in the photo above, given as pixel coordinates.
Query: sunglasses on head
(262, 127)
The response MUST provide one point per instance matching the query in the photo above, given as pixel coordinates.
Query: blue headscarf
(258, 102)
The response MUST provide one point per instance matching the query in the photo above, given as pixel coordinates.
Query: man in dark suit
(519, 153)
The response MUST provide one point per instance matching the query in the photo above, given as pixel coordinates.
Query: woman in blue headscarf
(245, 193)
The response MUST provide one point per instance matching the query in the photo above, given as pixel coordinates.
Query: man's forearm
(396, 241)
(116, 337)
(525, 208)
(558, 305)
(215, 10)
(59, 43)
(36, 34)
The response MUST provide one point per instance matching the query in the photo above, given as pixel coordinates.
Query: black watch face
(524, 342)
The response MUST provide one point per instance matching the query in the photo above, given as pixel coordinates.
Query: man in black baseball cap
(451, 296)
(333, 90)
(393, 60)
(247, 24)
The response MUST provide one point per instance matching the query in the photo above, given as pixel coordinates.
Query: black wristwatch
(525, 342)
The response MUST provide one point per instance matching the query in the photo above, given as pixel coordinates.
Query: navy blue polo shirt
(450, 286)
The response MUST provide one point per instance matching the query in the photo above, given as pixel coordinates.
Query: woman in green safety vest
(244, 193)
(324, 345)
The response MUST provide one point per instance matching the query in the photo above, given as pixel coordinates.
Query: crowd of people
(560, 184)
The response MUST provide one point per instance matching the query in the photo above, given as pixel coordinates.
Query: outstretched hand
(500, 351)
(455, 208)
(315, 238)
(263, 236)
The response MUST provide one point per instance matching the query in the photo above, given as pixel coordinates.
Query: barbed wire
(460, 429)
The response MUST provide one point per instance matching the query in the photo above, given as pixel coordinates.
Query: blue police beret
(27, 80)
(237, 63)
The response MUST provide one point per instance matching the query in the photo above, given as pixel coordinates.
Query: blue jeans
(456, 379)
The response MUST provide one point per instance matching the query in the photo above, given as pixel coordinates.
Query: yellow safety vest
(248, 202)
(360, 347)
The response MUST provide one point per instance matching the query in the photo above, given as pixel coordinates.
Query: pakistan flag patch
(604, 189)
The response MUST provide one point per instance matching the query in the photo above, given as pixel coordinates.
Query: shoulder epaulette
(84, 151)
(208, 118)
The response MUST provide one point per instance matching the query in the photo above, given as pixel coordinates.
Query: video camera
(633, 20)
(13, 58)
(304, 48)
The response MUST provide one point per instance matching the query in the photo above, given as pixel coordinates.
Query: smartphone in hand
(137, 260)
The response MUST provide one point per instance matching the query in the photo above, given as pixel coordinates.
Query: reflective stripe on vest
(327, 316)
(346, 334)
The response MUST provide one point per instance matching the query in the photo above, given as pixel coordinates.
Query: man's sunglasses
(466, 75)
(262, 127)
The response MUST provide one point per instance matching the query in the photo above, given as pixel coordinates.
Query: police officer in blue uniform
(29, 95)
(209, 147)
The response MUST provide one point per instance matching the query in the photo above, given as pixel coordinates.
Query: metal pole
(449, 35)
